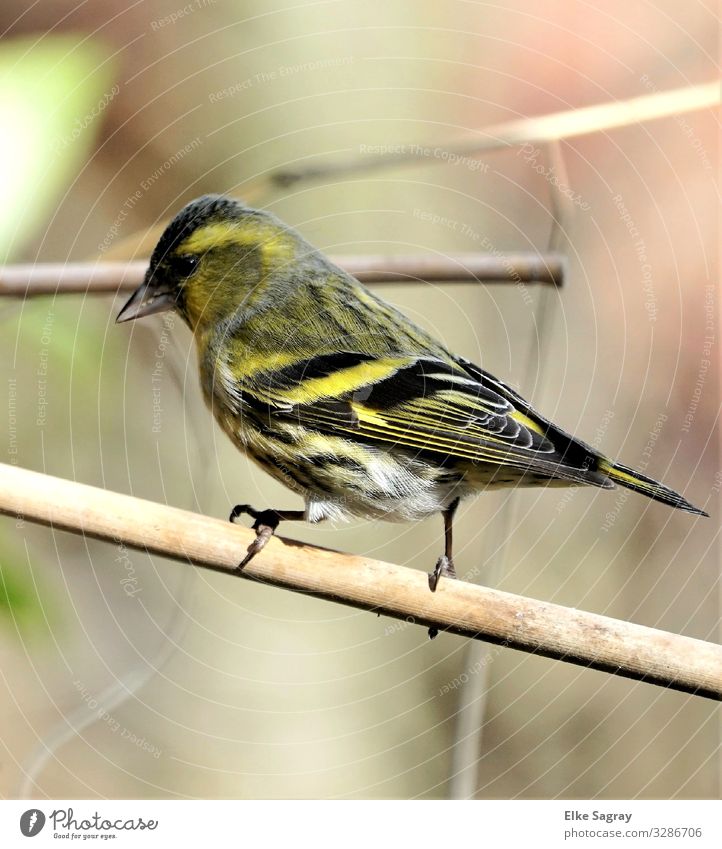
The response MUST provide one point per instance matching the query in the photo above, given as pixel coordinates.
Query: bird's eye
(185, 264)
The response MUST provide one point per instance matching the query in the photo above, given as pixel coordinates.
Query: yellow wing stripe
(388, 420)
(526, 421)
(457, 448)
(335, 385)
(401, 437)
(340, 383)
(454, 448)
(608, 468)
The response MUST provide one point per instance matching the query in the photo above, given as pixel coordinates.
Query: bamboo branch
(534, 130)
(111, 277)
(622, 648)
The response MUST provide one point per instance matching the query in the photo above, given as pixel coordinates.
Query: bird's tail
(652, 489)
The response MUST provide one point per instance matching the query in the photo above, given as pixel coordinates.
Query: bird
(341, 397)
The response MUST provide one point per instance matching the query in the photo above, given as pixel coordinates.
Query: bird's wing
(451, 409)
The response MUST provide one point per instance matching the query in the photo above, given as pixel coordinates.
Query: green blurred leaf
(20, 606)
(54, 91)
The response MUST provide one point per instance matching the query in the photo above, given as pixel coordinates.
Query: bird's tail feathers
(638, 482)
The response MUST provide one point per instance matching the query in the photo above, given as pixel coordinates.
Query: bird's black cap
(198, 212)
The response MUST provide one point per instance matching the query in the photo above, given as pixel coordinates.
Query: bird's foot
(264, 524)
(444, 566)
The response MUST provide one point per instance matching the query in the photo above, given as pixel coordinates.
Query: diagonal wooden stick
(110, 277)
(531, 131)
(461, 151)
(610, 645)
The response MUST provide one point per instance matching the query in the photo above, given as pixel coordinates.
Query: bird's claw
(444, 566)
(264, 524)
(263, 534)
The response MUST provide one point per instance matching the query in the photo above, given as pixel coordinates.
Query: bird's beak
(148, 298)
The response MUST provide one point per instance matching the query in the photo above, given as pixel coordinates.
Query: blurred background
(127, 676)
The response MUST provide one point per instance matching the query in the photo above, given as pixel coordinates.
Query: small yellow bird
(337, 394)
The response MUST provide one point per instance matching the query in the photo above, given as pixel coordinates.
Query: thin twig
(110, 277)
(474, 697)
(613, 646)
(535, 130)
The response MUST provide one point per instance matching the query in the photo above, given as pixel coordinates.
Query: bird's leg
(445, 564)
(264, 524)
